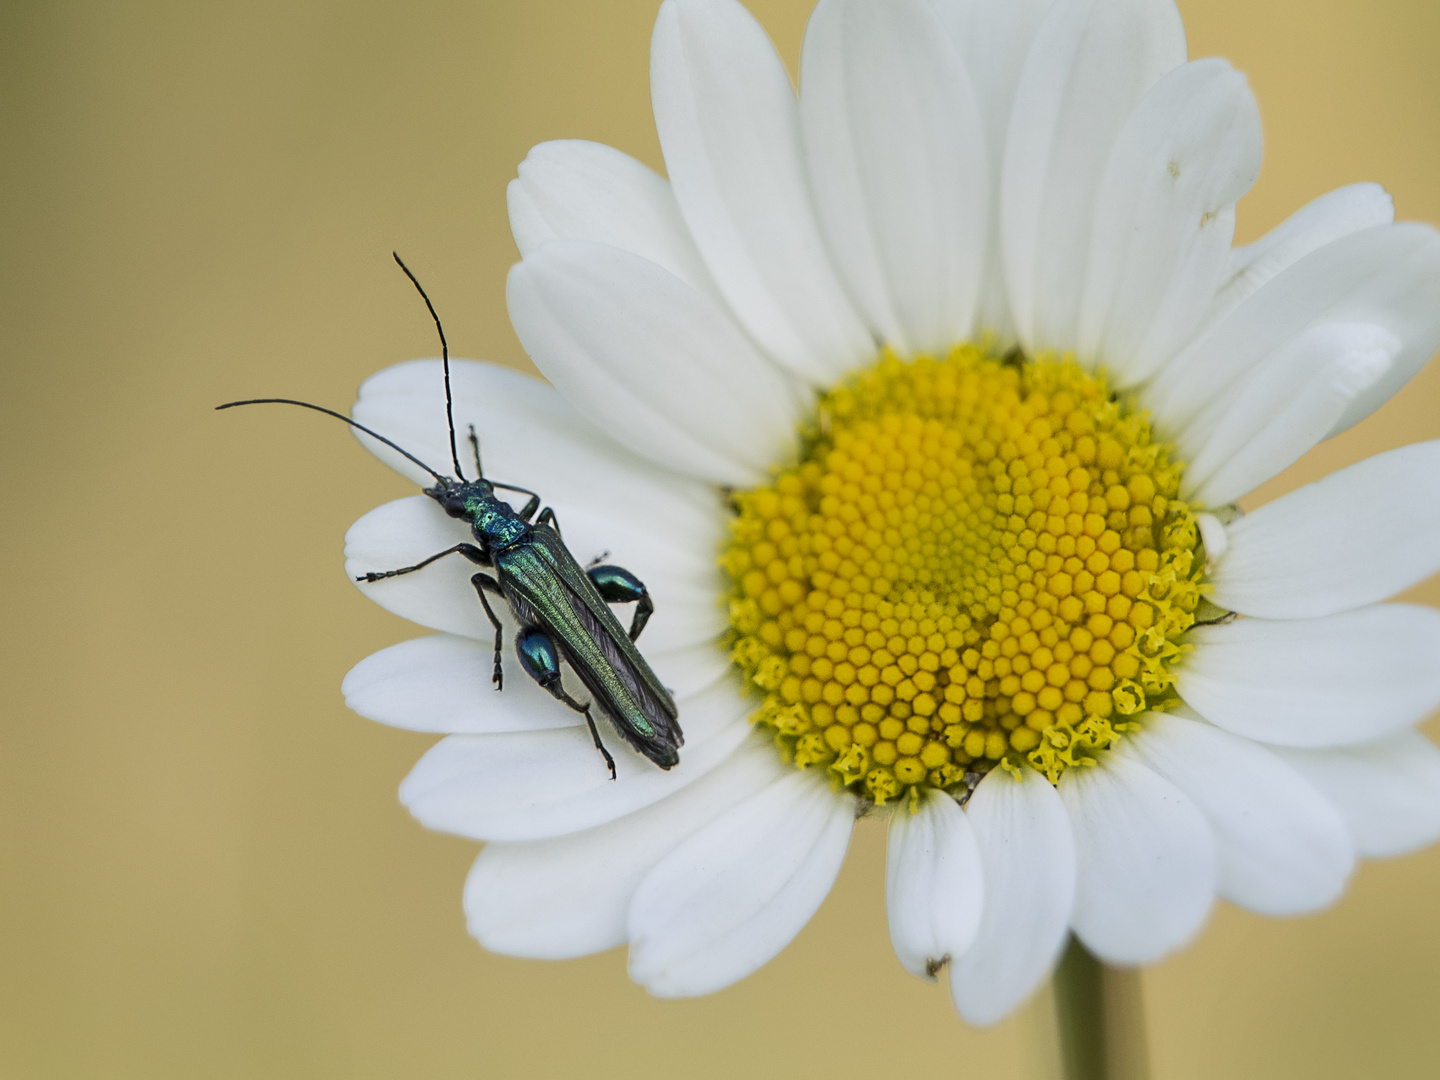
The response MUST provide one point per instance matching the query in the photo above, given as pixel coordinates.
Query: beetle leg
(596, 561)
(619, 586)
(527, 511)
(470, 551)
(594, 734)
(539, 658)
(482, 583)
(547, 517)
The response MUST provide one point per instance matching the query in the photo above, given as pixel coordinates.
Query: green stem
(1099, 1019)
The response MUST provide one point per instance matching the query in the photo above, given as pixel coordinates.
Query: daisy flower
(922, 401)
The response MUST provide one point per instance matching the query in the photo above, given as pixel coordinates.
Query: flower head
(922, 403)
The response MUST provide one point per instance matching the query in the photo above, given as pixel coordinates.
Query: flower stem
(1099, 1019)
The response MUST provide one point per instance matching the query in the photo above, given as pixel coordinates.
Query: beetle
(563, 610)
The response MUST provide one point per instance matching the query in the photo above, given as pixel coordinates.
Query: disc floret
(978, 561)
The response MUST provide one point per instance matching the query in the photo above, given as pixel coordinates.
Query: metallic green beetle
(562, 609)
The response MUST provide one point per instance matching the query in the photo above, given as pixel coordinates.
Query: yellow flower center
(978, 561)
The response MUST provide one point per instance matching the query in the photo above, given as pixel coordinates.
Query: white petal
(691, 669)
(1355, 537)
(1284, 407)
(531, 437)
(528, 223)
(898, 164)
(1091, 63)
(572, 189)
(1145, 861)
(1335, 214)
(730, 132)
(530, 785)
(442, 684)
(933, 885)
(401, 533)
(1336, 681)
(1028, 857)
(1387, 276)
(1165, 216)
(683, 583)
(993, 41)
(1388, 791)
(568, 896)
(1281, 847)
(653, 361)
(736, 893)
(1213, 535)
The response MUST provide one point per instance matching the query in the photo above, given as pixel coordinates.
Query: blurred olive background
(206, 872)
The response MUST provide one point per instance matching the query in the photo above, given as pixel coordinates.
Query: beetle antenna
(338, 416)
(445, 359)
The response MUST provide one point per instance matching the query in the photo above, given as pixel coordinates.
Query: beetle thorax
(494, 522)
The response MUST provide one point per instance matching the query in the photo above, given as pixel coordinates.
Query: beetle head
(459, 498)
